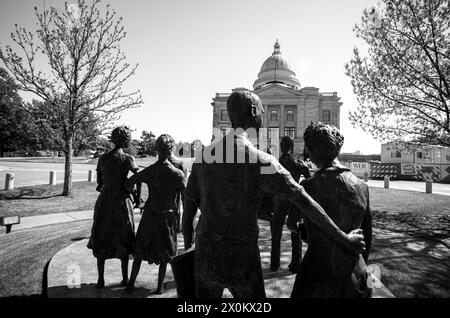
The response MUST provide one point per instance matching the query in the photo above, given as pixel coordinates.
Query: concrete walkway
(419, 186)
(53, 218)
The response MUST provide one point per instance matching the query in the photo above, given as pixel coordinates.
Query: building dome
(276, 69)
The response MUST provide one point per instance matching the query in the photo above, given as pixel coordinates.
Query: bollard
(52, 180)
(91, 176)
(386, 182)
(9, 181)
(429, 186)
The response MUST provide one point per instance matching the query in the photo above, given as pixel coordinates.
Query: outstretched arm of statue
(315, 213)
(137, 178)
(280, 182)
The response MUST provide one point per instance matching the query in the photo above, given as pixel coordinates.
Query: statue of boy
(283, 208)
(226, 190)
(328, 270)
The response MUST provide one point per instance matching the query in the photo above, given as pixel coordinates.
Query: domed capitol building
(289, 109)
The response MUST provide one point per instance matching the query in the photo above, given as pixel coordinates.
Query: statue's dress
(157, 231)
(112, 234)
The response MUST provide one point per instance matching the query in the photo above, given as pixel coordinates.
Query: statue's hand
(356, 241)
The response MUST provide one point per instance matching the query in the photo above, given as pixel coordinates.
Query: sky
(189, 50)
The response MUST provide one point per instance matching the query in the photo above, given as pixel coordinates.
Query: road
(33, 173)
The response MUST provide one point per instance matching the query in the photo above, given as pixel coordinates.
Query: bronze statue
(226, 190)
(328, 269)
(283, 208)
(178, 163)
(112, 234)
(156, 236)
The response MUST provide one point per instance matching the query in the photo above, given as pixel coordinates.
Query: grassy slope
(44, 199)
(420, 220)
(24, 255)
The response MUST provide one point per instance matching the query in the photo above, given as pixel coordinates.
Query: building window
(273, 133)
(396, 154)
(326, 116)
(223, 115)
(273, 115)
(419, 155)
(289, 131)
(290, 115)
(447, 157)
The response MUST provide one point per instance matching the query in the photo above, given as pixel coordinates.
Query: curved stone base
(72, 273)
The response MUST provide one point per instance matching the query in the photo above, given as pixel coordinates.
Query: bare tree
(403, 82)
(87, 68)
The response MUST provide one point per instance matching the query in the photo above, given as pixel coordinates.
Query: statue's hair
(240, 106)
(121, 135)
(326, 140)
(165, 143)
(286, 144)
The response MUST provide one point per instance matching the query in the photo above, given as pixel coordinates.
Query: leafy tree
(133, 148)
(87, 69)
(147, 145)
(16, 124)
(49, 129)
(403, 81)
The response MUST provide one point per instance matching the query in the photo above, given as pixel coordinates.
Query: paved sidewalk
(53, 218)
(419, 186)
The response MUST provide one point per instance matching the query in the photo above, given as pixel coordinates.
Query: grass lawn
(44, 199)
(411, 242)
(24, 255)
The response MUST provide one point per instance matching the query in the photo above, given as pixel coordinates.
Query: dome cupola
(276, 69)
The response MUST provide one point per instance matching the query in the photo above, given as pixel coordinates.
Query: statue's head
(164, 146)
(322, 142)
(245, 110)
(286, 145)
(121, 137)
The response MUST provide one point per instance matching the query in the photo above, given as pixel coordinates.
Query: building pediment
(274, 90)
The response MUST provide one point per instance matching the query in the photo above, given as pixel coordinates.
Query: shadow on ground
(29, 193)
(434, 227)
(410, 265)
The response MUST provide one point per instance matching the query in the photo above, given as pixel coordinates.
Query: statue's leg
(161, 276)
(101, 273)
(124, 263)
(252, 288)
(207, 290)
(277, 232)
(296, 252)
(134, 272)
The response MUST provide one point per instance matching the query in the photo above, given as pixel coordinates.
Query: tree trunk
(67, 190)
